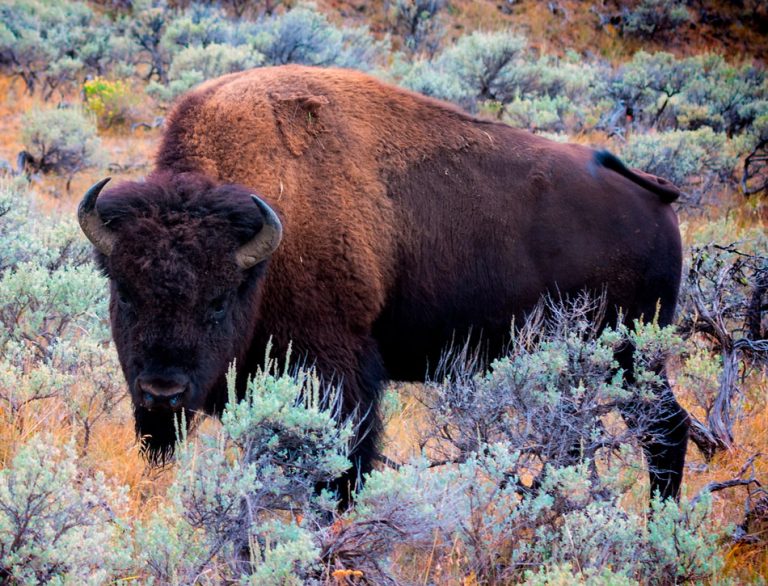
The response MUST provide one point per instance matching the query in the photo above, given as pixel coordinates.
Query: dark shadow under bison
(383, 224)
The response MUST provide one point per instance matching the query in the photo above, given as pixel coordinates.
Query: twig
(738, 481)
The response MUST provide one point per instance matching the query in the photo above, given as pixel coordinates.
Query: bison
(367, 226)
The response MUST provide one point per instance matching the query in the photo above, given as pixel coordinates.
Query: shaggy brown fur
(406, 221)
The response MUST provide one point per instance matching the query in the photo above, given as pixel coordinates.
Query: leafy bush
(418, 23)
(498, 68)
(164, 36)
(16, 238)
(145, 27)
(111, 102)
(203, 43)
(651, 17)
(58, 526)
(538, 113)
(663, 91)
(54, 343)
(481, 518)
(304, 35)
(517, 494)
(475, 69)
(725, 96)
(26, 235)
(432, 79)
(271, 451)
(96, 390)
(692, 159)
(40, 306)
(60, 141)
(53, 46)
(484, 63)
(194, 65)
(73, 383)
(649, 83)
(551, 391)
(201, 25)
(46, 304)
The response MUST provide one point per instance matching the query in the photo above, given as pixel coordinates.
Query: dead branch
(734, 482)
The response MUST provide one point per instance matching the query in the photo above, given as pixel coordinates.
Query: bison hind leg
(666, 449)
(663, 429)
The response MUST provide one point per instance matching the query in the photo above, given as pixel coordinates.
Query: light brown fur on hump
(317, 144)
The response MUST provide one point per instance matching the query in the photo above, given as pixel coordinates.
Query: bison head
(185, 259)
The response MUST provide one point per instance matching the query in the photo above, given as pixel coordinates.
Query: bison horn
(265, 242)
(90, 222)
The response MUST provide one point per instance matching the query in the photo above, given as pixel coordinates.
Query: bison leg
(664, 432)
(666, 449)
(361, 399)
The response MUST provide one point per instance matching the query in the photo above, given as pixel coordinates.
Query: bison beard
(408, 223)
(157, 432)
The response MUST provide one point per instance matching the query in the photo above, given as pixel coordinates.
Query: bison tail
(661, 187)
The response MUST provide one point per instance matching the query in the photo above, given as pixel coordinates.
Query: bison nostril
(159, 392)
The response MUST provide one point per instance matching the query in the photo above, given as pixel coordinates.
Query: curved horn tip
(89, 199)
(266, 241)
(90, 222)
(271, 220)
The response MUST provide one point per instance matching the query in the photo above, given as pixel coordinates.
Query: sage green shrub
(234, 490)
(54, 341)
(60, 140)
(418, 22)
(49, 289)
(53, 46)
(193, 65)
(652, 17)
(723, 95)
(694, 160)
(201, 25)
(59, 525)
(499, 69)
(305, 35)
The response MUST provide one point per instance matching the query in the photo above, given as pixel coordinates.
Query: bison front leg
(361, 386)
(663, 429)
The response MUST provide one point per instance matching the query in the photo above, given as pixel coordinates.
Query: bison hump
(299, 120)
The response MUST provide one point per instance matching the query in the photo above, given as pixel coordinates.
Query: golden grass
(16, 102)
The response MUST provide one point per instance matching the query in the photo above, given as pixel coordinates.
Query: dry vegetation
(723, 215)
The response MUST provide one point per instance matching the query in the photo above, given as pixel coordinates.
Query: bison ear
(298, 120)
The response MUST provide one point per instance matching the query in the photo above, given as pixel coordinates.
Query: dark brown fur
(406, 221)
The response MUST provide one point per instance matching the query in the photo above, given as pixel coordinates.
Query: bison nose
(163, 393)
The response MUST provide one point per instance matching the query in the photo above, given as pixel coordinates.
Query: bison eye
(218, 308)
(122, 297)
